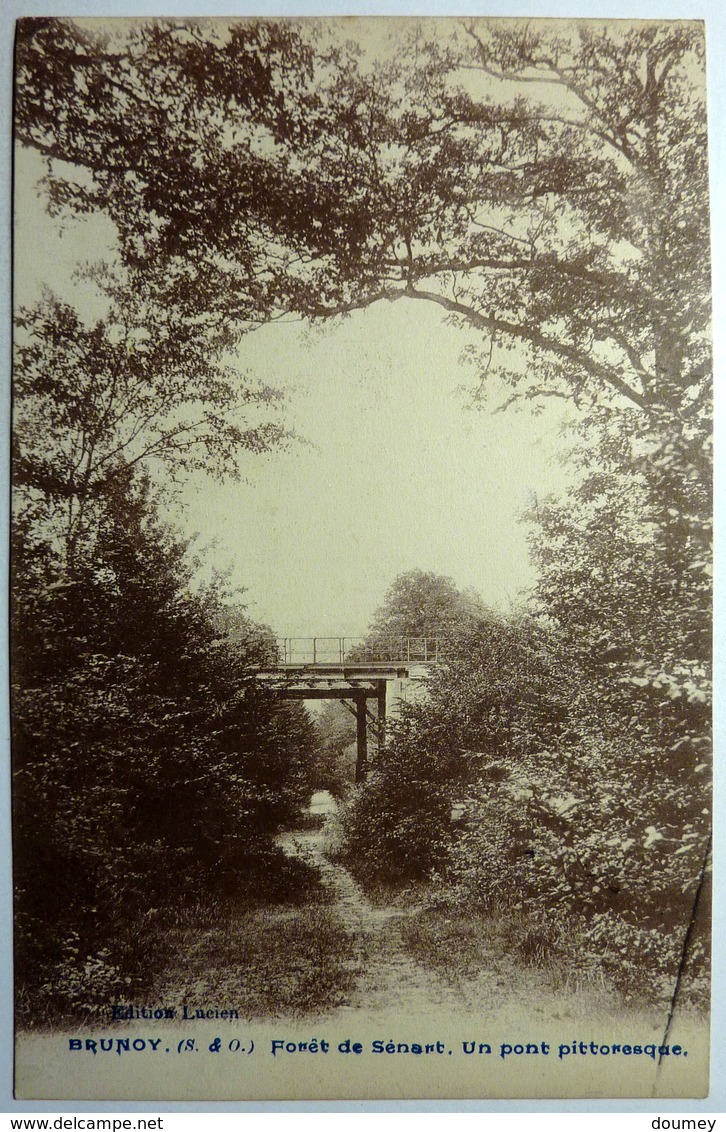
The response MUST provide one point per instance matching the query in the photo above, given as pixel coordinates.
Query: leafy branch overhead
(544, 184)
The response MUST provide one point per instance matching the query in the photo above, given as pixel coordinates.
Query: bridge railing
(355, 650)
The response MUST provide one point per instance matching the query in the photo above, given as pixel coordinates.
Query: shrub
(149, 764)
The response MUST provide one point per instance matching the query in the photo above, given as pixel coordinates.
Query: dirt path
(341, 958)
(339, 971)
(392, 979)
(392, 984)
(346, 971)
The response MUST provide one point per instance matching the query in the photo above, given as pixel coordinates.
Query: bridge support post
(381, 697)
(361, 718)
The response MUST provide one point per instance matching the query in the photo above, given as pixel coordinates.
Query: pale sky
(397, 472)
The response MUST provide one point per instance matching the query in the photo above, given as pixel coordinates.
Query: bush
(149, 764)
(395, 824)
(574, 809)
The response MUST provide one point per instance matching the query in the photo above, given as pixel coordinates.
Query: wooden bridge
(306, 651)
(356, 673)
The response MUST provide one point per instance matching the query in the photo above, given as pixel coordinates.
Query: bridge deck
(383, 670)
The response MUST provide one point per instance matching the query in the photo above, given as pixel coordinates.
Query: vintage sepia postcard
(361, 559)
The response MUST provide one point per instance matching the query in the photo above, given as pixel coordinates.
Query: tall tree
(150, 766)
(420, 603)
(132, 389)
(542, 183)
(547, 185)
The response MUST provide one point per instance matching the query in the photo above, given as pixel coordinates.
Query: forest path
(391, 979)
(333, 956)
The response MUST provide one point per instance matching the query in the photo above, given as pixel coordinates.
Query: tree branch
(536, 338)
(492, 324)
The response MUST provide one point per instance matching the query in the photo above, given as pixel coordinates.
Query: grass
(273, 948)
(462, 946)
(281, 960)
(265, 962)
